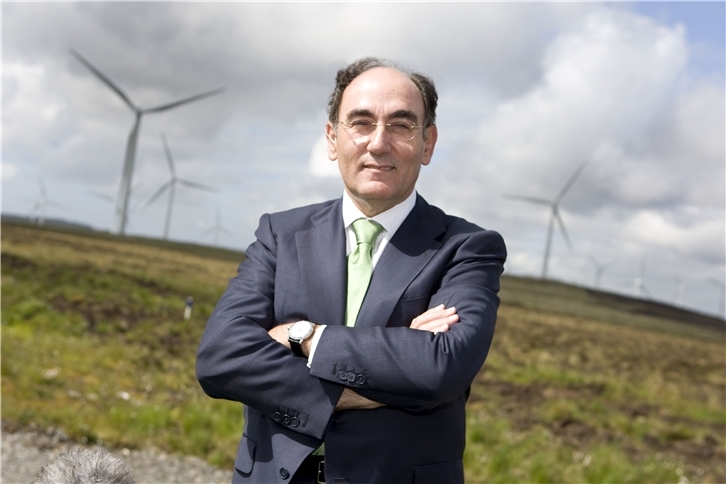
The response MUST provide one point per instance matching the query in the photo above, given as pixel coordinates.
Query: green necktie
(360, 269)
(360, 266)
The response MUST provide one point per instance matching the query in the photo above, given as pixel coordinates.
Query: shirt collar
(390, 220)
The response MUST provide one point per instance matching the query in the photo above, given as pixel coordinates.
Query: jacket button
(286, 419)
(350, 377)
(277, 417)
(284, 473)
(295, 422)
(343, 375)
(361, 379)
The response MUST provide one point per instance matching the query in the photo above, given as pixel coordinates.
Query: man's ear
(432, 134)
(331, 137)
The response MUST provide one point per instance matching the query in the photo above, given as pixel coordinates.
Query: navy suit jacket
(296, 269)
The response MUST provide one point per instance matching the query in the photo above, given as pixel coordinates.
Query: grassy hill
(580, 386)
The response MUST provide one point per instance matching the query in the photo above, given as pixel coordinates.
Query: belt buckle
(321, 472)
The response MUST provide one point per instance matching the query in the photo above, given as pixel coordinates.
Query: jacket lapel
(321, 254)
(408, 252)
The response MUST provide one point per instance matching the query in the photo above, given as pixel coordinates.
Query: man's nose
(379, 141)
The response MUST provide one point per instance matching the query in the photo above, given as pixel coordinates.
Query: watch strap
(296, 348)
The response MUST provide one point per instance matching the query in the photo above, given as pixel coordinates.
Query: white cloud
(697, 238)
(603, 84)
(8, 171)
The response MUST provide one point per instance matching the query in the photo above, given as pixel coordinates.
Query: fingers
(279, 334)
(437, 319)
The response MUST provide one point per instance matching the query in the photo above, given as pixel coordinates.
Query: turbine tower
(554, 215)
(41, 204)
(122, 201)
(218, 227)
(171, 185)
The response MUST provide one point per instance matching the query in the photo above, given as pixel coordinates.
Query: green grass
(579, 386)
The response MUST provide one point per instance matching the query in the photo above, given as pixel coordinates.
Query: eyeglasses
(361, 130)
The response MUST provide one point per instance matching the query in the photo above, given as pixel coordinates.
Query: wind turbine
(122, 201)
(555, 215)
(599, 269)
(639, 288)
(171, 185)
(110, 199)
(680, 289)
(720, 285)
(217, 229)
(41, 203)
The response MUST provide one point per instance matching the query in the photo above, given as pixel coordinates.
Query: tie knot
(366, 231)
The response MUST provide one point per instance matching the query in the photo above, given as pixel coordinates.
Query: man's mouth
(378, 167)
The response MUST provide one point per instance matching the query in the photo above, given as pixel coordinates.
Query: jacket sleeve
(237, 359)
(417, 369)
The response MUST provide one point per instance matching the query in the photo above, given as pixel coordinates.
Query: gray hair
(86, 466)
(346, 75)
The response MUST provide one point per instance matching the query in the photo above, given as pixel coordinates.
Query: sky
(528, 93)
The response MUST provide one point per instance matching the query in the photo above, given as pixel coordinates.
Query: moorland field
(580, 385)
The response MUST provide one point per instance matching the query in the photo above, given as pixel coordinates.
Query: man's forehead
(382, 85)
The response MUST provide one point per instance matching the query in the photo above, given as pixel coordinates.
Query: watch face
(300, 330)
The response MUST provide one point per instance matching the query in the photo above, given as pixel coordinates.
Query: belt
(313, 467)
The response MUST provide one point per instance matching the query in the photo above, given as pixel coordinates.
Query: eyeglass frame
(414, 127)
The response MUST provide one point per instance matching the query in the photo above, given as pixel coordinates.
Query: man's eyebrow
(405, 114)
(359, 113)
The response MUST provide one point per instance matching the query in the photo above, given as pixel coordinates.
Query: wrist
(307, 344)
(299, 335)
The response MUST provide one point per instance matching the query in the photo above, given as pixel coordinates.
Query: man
(382, 382)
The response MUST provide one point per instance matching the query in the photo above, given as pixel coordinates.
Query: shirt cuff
(314, 344)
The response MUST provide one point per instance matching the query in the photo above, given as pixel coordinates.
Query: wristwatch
(297, 333)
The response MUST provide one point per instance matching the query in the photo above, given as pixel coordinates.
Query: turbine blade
(43, 193)
(226, 231)
(562, 228)
(102, 196)
(594, 261)
(105, 79)
(643, 261)
(192, 184)
(715, 282)
(169, 158)
(156, 195)
(539, 201)
(646, 291)
(570, 182)
(208, 231)
(51, 203)
(164, 107)
(36, 206)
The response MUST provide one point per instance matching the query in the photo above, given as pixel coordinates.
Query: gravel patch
(26, 451)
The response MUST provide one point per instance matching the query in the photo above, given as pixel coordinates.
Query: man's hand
(436, 320)
(350, 400)
(279, 334)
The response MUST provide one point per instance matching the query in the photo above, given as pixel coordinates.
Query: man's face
(379, 172)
